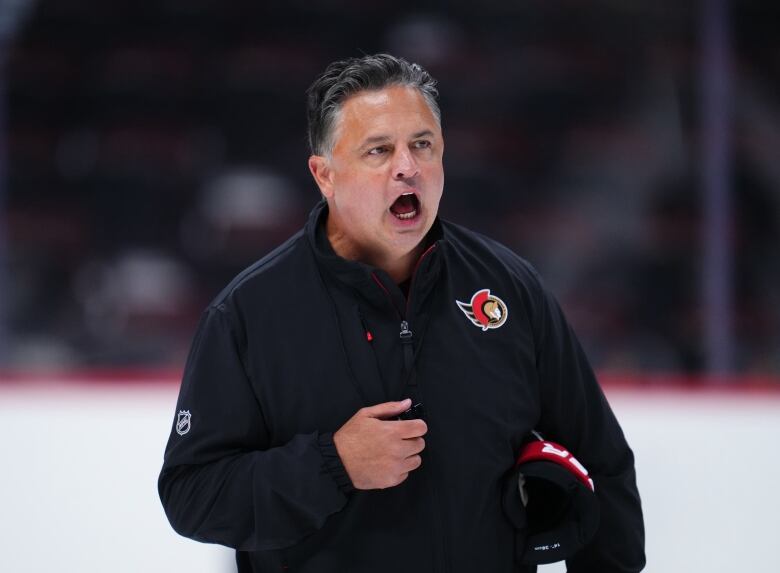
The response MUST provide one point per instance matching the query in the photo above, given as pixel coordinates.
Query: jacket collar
(366, 278)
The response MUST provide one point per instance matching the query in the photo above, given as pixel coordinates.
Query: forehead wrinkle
(376, 139)
(377, 99)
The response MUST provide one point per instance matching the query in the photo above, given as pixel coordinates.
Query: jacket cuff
(332, 463)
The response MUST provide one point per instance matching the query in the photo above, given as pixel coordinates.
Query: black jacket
(302, 339)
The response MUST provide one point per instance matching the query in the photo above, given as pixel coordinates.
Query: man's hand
(378, 452)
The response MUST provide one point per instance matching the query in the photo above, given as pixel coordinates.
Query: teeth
(404, 216)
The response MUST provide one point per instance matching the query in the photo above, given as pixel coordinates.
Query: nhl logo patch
(183, 422)
(485, 310)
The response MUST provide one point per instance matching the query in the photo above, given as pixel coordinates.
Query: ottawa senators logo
(485, 310)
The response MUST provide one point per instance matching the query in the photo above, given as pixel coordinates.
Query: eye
(421, 144)
(377, 150)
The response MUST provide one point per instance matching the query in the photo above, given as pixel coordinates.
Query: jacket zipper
(407, 342)
(406, 335)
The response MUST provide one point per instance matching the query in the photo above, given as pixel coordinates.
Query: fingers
(407, 449)
(411, 463)
(386, 409)
(414, 446)
(377, 450)
(408, 429)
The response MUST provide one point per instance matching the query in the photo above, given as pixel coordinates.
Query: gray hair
(345, 78)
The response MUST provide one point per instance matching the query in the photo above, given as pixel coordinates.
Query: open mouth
(406, 207)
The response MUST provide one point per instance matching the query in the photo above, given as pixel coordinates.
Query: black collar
(365, 278)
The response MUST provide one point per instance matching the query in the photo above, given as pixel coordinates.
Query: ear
(323, 175)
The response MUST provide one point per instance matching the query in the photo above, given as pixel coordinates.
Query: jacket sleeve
(220, 481)
(574, 412)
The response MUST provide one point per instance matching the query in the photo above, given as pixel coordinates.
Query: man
(292, 441)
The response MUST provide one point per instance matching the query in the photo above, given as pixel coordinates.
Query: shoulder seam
(220, 302)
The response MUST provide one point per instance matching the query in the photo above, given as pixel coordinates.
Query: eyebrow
(385, 138)
(423, 133)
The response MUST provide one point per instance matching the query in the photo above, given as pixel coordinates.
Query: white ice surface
(79, 463)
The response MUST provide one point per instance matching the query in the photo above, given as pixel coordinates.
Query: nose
(404, 164)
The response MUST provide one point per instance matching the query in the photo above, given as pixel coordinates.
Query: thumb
(387, 409)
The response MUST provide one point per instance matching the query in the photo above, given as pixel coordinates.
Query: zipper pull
(406, 341)
(406, 334)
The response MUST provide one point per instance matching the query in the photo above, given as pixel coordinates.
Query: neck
(401, 269)
(398, 266)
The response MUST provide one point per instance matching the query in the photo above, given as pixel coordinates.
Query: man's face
(384, 178)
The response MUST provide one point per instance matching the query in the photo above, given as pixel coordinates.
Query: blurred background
(150, 150)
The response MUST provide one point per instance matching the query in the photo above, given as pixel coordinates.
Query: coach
(355, 400)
